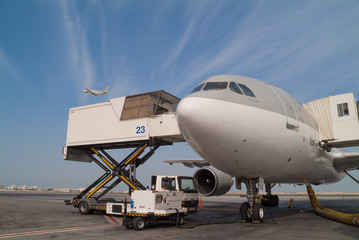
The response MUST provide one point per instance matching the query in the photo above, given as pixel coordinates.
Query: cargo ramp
(143, 122)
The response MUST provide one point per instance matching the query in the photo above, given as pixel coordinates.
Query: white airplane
(256, 132)
(96, 92)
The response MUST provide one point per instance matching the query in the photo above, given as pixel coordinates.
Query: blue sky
(50, 50)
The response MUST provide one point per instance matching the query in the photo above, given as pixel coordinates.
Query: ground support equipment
(149, 207)
(115, 172)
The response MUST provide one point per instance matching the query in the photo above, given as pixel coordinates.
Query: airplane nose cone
(197, 117)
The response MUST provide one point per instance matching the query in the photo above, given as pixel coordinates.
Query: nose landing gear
(253, 209)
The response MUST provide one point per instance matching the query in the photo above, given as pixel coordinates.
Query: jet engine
(212, 182)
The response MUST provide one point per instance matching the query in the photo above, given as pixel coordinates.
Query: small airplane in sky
(96, 92)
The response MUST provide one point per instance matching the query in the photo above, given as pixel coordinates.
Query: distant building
(12, 187)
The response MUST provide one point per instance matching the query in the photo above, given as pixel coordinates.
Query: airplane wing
(346, 161)
(190, 163)
(342, 162)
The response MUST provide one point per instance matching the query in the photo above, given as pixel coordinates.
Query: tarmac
(43, 215)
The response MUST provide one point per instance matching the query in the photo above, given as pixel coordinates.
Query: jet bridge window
(215, 86)
(148, 104)
(234, 87)
(246, 90)
(343, 110)
(198, 88)
(137, 107)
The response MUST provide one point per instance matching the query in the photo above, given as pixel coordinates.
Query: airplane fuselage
(248, 128)
(96, 92)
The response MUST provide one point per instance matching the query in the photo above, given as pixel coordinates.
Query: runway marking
(113, 220)
(57, 230)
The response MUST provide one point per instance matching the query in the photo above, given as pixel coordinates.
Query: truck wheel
(127, 223)
(139, 223)
(180, 219)
(128, 226)
(84, 208)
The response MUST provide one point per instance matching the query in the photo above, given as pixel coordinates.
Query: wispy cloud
(83, 70)
(122, 86)
(181, 43)
(6, 65)
(283, 44)
(10, 72)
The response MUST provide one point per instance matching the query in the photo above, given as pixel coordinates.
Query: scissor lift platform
(143, 122)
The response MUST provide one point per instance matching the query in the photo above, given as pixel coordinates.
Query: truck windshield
(187, 185)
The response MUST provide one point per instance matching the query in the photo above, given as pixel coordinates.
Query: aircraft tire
(265, 202)
(258, 213)
(276, 200)
(270, 201)
(245, 213)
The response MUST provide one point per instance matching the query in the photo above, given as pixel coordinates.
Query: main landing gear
(270, 200)
(253, 209)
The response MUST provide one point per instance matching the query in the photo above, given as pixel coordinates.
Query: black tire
(258, 213)
(139, 223)
(272, 201)
(127, 223)
(245, 214)
(84, 208)
(265, 202)
(128, 226)
(180, 220)
(276, 200)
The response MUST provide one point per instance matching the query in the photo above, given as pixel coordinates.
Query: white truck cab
(178, 183)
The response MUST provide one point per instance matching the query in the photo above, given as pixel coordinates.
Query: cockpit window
(246, 90)
(215, 86)
(234, 87)
(198, 88)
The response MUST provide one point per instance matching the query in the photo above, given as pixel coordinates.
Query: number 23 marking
(141, 129)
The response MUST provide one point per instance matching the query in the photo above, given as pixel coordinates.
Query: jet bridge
(337, 117)
(143, 122)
